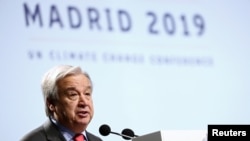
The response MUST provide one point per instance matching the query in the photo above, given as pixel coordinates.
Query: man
(67, 92)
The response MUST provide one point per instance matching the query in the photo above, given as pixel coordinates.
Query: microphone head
(104, 130)
(128, 132)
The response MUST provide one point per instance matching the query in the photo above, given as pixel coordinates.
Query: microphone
(105, 130)
(128, 132)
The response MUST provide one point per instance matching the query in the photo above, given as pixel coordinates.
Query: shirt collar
(67, 133)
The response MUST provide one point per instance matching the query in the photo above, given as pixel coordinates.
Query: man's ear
(50, 105)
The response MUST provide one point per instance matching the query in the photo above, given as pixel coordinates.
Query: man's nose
(82, 99)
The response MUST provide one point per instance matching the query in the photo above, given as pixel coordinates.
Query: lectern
(174, 135)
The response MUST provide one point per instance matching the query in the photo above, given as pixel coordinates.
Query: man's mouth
(83, 114)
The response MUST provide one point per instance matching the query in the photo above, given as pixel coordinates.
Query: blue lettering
(34, 15)
(121, 14)
(55, 17)
(110, 27)
(93, 18)
(72, 10)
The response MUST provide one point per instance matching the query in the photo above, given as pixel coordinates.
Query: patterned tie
(79, 137)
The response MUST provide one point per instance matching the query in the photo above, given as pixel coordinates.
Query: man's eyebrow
(69, 89)
(89, 87)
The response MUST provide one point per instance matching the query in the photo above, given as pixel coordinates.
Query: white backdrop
(171, 65)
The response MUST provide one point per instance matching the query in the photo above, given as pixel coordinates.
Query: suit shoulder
(93, 137)
(34, 135)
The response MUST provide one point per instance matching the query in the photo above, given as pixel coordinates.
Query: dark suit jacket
(49, 132)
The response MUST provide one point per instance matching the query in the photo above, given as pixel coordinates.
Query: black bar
(228, 132)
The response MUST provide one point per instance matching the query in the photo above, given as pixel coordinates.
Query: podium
(174, 135)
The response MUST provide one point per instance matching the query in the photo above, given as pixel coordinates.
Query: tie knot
(79, 137)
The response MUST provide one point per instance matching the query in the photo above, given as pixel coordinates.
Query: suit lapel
(53, 134)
